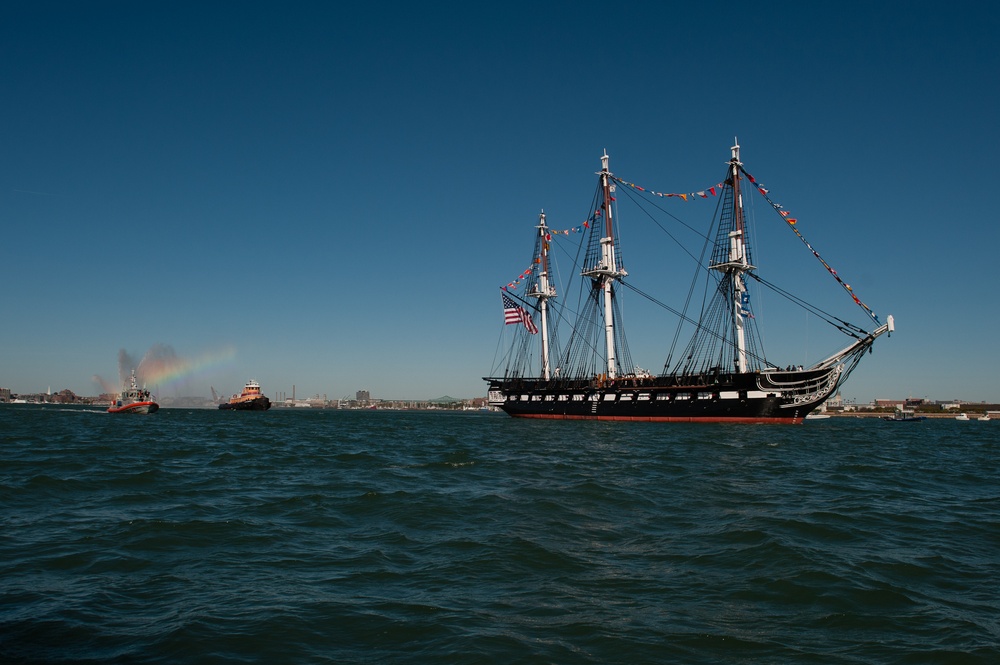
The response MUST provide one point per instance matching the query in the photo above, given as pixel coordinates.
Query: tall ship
(573, 362)
(251, 399)
(134, 399)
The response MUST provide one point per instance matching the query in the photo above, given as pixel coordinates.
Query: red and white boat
(134, 399)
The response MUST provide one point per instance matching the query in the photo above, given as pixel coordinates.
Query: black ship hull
(757, 397)
(256, 404)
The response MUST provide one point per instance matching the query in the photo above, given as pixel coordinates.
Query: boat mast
(543, 291)
(737, 261)
(607, 271)
(737, 254)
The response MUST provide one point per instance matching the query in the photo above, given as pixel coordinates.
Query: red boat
(134, 399)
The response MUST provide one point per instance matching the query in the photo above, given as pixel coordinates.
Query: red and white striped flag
(514, 313)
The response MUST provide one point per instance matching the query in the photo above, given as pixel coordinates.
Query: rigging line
(562, 248)
(696, 324)
(580, 316)
(845, 327)
(754, 230)
(501, 355)
(656, 222)
(560, 307)
(698, 261)
(631, 192)
(857, 356)
(708, 313)
(556, 310)
(574, 260)
(701, 269)
(511, 294)
(777, 208)
(624, 354)
(573, 353)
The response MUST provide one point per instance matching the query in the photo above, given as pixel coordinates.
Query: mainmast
(607, 271)
(737, 263)
(543, 290)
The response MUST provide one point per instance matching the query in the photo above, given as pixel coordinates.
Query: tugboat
(251, 399)
(904, 416)
(134, 399)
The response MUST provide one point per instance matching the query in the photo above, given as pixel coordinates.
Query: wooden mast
(543, 291)
(608, 270)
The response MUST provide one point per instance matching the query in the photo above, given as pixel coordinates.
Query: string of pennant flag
(791, 221)
(684, 197)
(513, 284)
(704, 194)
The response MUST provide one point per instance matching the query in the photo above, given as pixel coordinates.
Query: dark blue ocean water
(299, 536)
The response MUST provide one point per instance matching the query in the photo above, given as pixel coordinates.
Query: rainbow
(173, 374)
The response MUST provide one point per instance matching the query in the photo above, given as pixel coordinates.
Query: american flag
(514, 313)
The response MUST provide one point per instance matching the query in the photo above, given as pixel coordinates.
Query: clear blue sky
(328, 195)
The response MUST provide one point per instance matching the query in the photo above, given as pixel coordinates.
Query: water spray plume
(163, 369)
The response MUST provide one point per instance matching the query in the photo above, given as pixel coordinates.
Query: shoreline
(973, 415)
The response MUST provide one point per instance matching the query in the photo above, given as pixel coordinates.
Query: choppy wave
(374, 537)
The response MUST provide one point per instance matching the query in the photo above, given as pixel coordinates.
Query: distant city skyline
(365, 395)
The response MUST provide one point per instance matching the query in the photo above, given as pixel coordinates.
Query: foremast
(737, 263)
(543, 291)
(607, 272)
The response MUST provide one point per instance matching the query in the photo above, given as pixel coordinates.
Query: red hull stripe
(665, 419)
(135, 406)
